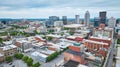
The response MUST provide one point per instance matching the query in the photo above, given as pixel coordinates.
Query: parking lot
(15, 63)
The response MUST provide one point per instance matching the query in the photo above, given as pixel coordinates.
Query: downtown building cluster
(87, 44)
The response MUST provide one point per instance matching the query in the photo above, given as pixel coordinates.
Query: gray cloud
(57, 7)
(15, 4)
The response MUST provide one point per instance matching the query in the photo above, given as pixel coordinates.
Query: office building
(102, 16)
(77, 20)
(87, 19)
(64, 19)
(96, 22)
(112, 22)
(51, 20)
(117, 21)
(58, 23)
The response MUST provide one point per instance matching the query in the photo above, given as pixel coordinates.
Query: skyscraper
(102, 16)
(64, 19)
(96, 22)
(111, 22)
(77, 20)
(51, 20)
(87, 19)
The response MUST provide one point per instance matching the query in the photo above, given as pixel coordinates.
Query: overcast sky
(46, 8)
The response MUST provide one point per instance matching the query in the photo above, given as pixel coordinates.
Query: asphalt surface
(110, 58)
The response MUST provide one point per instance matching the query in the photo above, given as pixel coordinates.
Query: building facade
(9, 50)
(64, 19)
(112, 22)
(87, 19)
(51, 20)
(58, 23)
(102, 16)
(74, 53)
(96, 22)
(77, 20)
(99, 48)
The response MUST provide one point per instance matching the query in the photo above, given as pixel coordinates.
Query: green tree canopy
(37, 64)
(9, 59)
(29, 61)
(25, 58)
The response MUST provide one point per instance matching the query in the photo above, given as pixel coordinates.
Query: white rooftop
(1, 55)
(96, 42)
(39, 54)
(7, 42)
(51, 35)
(47, 51)
(8, 47)
(74, 26)
(102, 37)
(80, 65)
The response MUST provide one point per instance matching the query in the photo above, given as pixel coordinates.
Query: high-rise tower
(87, 19)
(102, 16)
(77, 20)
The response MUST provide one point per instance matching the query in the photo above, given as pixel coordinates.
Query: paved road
(110, 58)
(17, 63)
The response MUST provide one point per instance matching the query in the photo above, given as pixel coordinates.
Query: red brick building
(102, 26)
(99, 48)
(104, 40)
(39, 39)
(74, 53)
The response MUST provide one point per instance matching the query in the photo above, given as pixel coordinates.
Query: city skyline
(46, 8)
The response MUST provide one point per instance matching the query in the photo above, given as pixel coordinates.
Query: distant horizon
(45, 8)
(46, 18)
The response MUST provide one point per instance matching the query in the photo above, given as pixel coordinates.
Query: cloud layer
(45, 8)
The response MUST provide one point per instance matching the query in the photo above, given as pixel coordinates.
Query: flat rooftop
(71, 63)
(96, 42)
(8, 47)
(74, 26)
(74, 52)
(103, 38)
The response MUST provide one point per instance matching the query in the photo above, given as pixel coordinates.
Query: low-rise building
(23, 45)
(101, 39)
(98, 48)
(74, 53)
(9, 50)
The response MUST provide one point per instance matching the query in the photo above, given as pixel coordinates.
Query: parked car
(13, 66)
(10, 63)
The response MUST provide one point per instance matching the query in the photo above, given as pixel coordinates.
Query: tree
(66, 28)
(71, 33)
(1, 40)
(27, 35)
(19, 55)
(49, 38)
(35, 31)
(29, 61)
(25, 58)
(44, 37)
(37, 64)
(9, 59)
(52, 56)
(51, 31)
(118, 41)
(62, 34)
